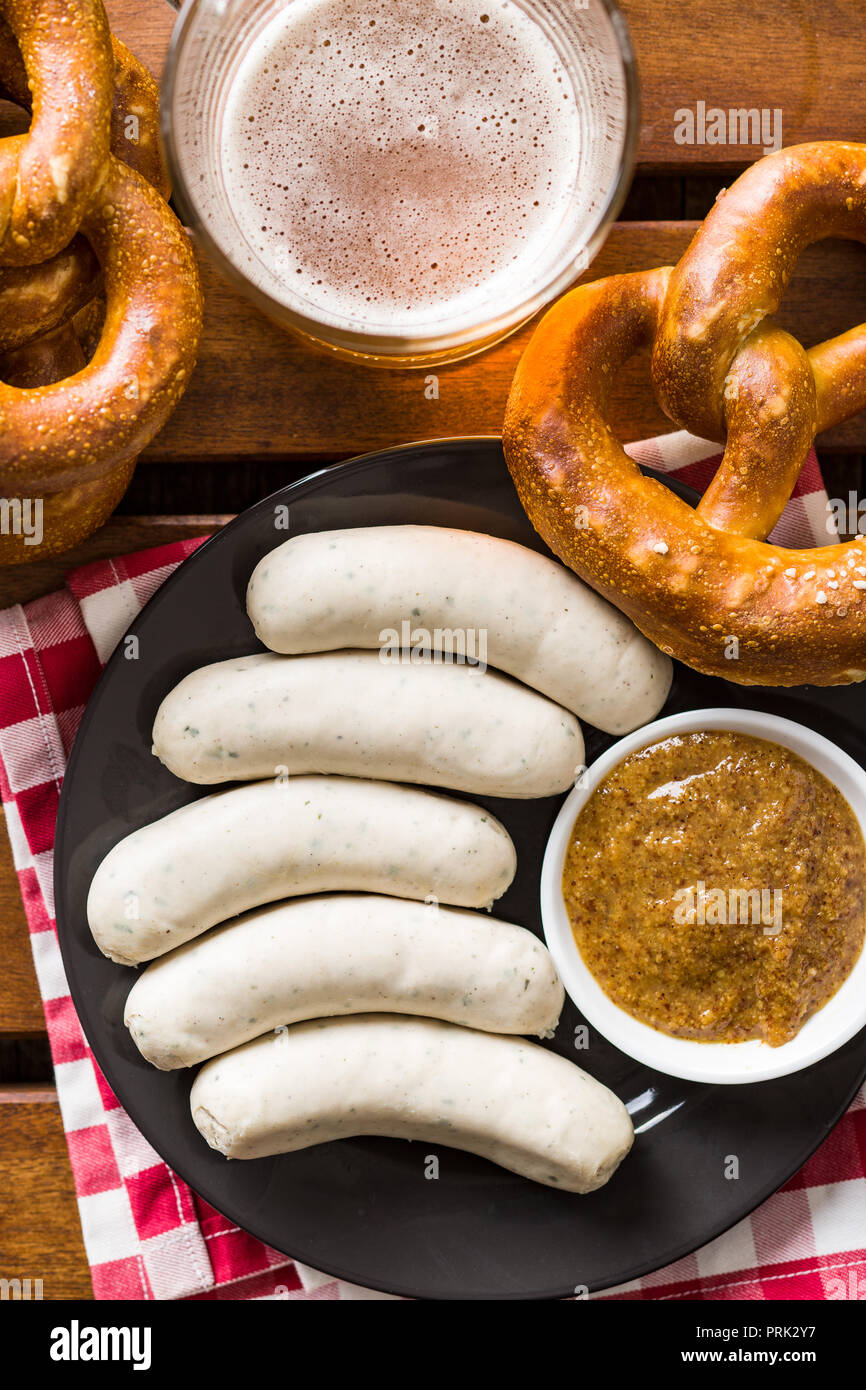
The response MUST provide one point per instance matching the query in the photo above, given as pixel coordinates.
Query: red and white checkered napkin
(146, 1233)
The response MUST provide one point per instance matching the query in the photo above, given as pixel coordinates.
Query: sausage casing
(224, 854)
(446, 725)
(335, 954)
(508, 1100)
(542, 625)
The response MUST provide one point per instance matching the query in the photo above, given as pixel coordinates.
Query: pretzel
(44, 360)
(84, 433)
(36, 300)
(79, 509)
(134, 105)
(49, 176)
(705, 585)
(96, 344)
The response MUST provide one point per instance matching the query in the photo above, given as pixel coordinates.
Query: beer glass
(403, 184)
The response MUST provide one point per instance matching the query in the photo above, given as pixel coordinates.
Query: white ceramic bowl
(726, 1063)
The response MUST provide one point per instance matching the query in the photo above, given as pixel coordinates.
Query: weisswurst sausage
(169, 881)
(351, 713)
(540, 623)
(511, 1101)
(340, 954)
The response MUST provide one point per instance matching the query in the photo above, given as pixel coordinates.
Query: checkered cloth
(147, 1235)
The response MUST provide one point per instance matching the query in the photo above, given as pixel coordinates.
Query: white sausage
(351, 713)
(543, 625)
(344, 954)
(224, 854)
(511, 1101)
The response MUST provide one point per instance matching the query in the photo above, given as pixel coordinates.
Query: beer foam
(392, 165)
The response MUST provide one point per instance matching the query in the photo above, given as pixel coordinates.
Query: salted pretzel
(705, 584)
(49, 176)
(35, 300)
(83, 434)
(98, 343)
(133, 105)
(145, 352)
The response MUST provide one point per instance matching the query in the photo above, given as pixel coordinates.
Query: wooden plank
(40, 1234)
(21, 1012)
(145, 26)
(260, 392)
(120, 536)
(801, 57)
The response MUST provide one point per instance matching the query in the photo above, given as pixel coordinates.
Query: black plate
(363, 1209)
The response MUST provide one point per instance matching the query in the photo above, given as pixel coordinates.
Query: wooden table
(263, 409)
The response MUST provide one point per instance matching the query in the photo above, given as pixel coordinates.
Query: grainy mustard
(716, 887)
